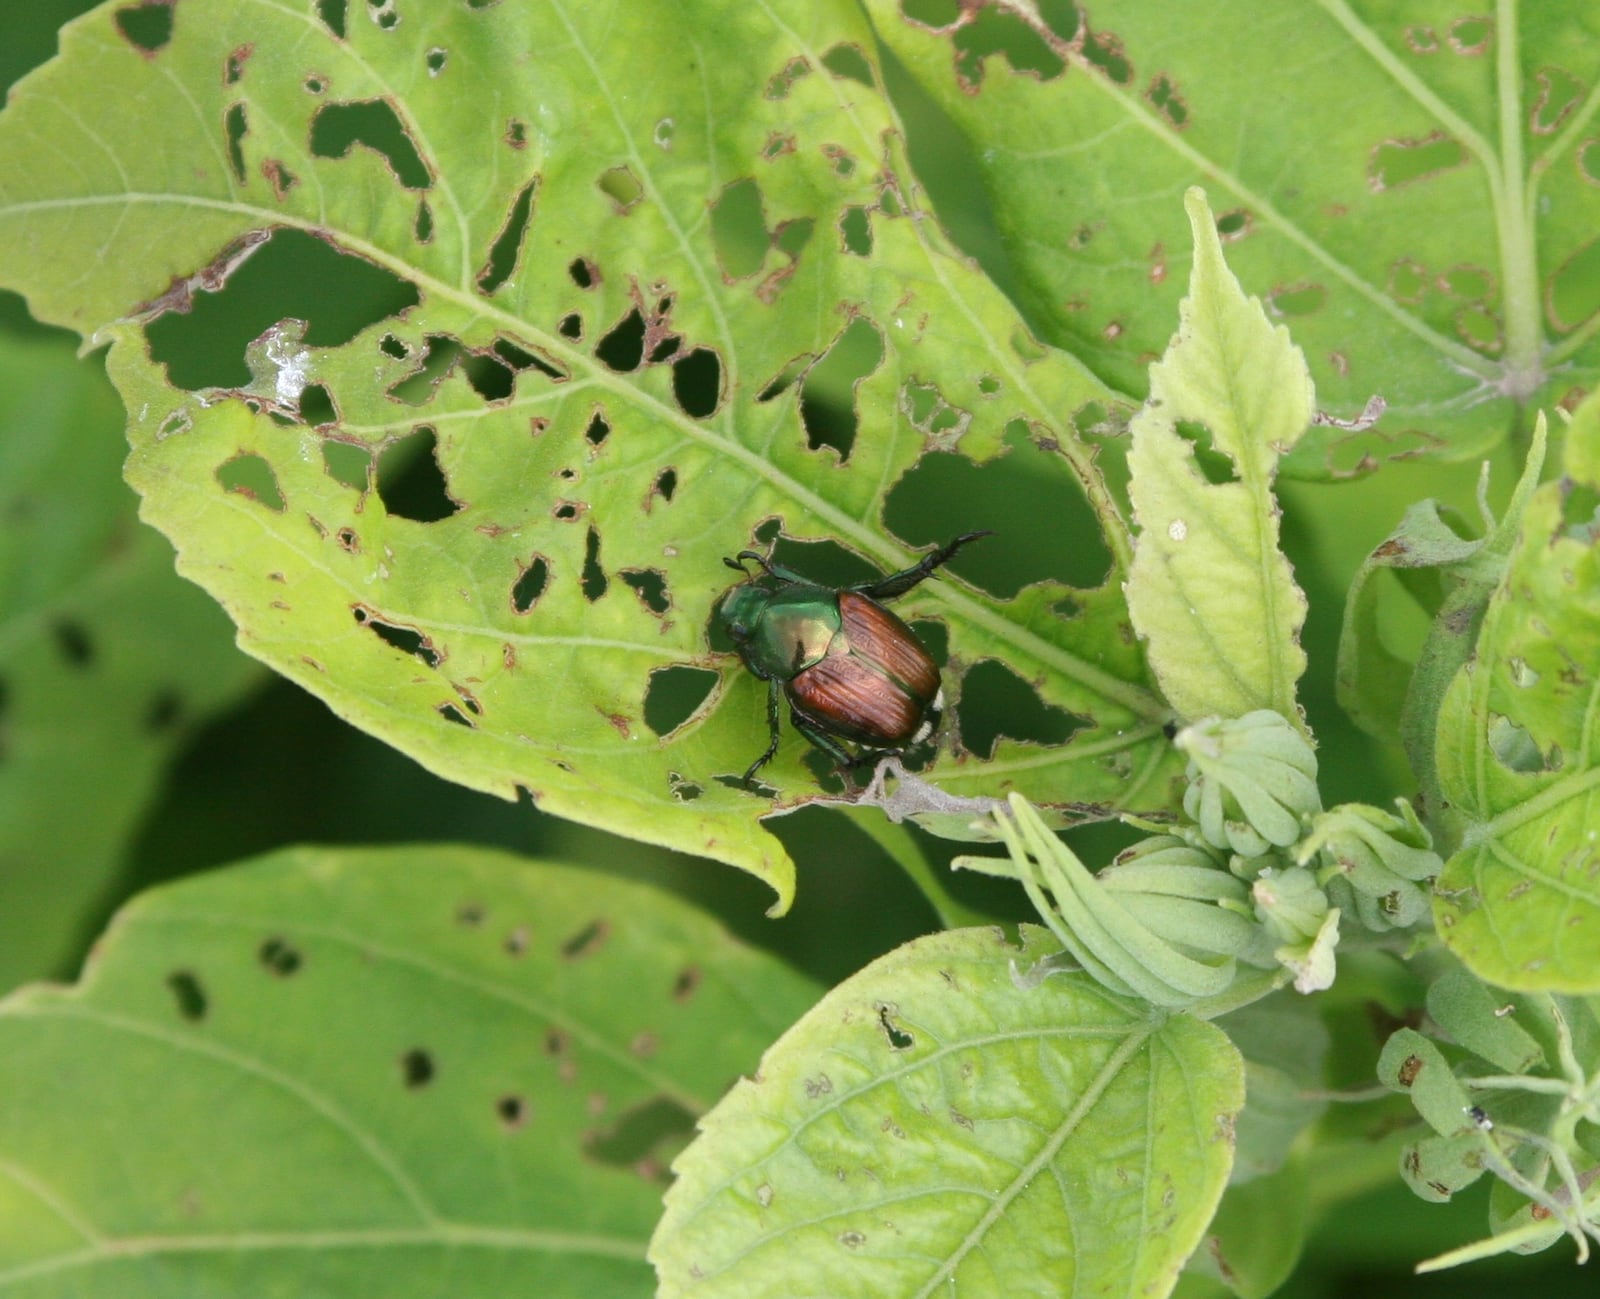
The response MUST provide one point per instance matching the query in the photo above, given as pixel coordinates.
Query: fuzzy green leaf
(1519, 760)
(400, 1072)
(1210, 590)
(653, 303)
(932, 1127)
(1412, 188)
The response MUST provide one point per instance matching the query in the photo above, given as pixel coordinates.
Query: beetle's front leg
(886, 588)
(773, 687)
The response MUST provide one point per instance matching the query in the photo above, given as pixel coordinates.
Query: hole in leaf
(1403, 162)
(828, 391)
(567, 511)
(1471, 35)
(436, 59)
(1166, 100)
(347, 464)
(687, 983)
(1559, 94)
(593, 583)
(1216, 466)
(1515, 748)
(1408, 281)
(622, 187)
(785, 378)
(697, 382)
(599, 429)
(935, 14)
(586, 941)
(316, 406)
(995, 31)
(451, 713)
(422, 230)
(739, 229)
(1573, 292)
(279, 957)
(781, 82)
(855, 231)
(849, 62)
(996, 702)
(622, 349)
(650, 585)
(291, 276)
(508, 245)
(1479, 326)
(898, 1038)
(1233, 225)
(585, 274)
(188, 994)
(408, 640)
(1104, 50)
(644, 1139)
(235, 127)
(416, 1068)
(674, 694)
(571, 326)
(1298, 299)
(512, 1111)
(530, 585)
(1589, 161)
(490, 377)
(666, 483)
(373, 124)
(72, 643)
(411, 484)
(251, 476)
(685, 791)
(148, 27)
(520, 358)
(1017, 495)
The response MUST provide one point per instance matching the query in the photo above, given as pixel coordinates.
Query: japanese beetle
(851, 670)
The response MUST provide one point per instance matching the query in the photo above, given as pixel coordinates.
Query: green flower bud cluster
(1246, 894)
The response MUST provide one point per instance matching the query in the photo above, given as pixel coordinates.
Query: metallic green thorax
(781, 633)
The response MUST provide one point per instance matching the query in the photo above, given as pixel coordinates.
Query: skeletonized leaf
(647, 311)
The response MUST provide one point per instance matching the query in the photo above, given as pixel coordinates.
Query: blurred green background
(257, 764)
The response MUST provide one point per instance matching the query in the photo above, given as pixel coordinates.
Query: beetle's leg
(841, 756)
(886, 588)
(773, 687)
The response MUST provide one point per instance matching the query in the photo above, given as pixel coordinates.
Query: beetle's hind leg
(841, 756)
(776, 728)
(886, 588)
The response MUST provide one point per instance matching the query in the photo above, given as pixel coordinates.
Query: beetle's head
(742, 610)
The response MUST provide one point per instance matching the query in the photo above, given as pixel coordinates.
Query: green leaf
(1210, 590)
(108, 661)
(404, 1072)
(653, 304)
(1387, 695)
(1518, 747)
(933, 1127)
(1256, 1238)
(1411, 188)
